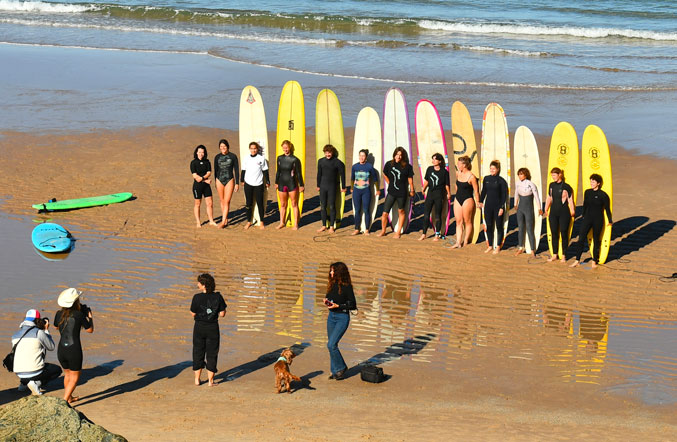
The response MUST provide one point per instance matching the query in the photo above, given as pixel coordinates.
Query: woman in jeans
(207, 307)
(340, 300)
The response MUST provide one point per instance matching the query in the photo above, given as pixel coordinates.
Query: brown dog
(282, 373)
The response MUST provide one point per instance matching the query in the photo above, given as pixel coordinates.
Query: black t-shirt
(437, 179)
(70, 328)
(345, 299)
(398, 178)
(200, 167)
(207, 306)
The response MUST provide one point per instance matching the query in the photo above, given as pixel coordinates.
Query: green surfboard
(80, 203)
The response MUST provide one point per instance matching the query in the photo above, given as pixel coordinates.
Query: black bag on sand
(373, 374)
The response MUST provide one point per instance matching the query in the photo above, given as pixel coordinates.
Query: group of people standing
(32, 341)
(398, 177)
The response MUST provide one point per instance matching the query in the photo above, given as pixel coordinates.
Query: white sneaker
(22, 388)
(34, 387)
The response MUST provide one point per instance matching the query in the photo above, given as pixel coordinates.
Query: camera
(41, 323)
(84, 308)
(328, 303)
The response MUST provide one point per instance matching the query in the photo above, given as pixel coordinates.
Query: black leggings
(205, 345)
(49, 373)
(494, 222)
(597, 226)
(559, 228)
(254, 194)
(434, 200)
(328, 199)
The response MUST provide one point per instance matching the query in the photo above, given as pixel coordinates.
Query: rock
(49, 418)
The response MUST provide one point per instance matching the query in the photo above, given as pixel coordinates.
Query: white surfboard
(526, 155)
(253, 128)
(496, 146)
(396, 134)
(368, 136)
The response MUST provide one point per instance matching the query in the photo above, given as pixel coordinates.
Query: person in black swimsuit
(226, 171)
(289, 182)
(201, 169)
(493, 200)
(72, 317)
(399, 177)
(595, 203)
(436, 181)
(329, 171)
(560, 202)
(465, 201)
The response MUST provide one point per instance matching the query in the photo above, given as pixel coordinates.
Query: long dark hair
(405, 156)
(67, 311)
(340, 278)
(198, 148)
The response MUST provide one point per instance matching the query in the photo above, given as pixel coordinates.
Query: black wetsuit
(464, 191)
(201, 167)
(288, 175)
(398, 184)
(595, 203)
(69, 351)
(206, 336)
(438, 180)
(494, 195)
(329, 172)
(226, 167)
(559, 216)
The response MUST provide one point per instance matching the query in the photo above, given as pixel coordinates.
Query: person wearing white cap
(32, 343)
(72, 317)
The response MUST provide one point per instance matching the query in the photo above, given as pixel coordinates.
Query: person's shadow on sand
(409, 346)
(262, 361)
(144, 380)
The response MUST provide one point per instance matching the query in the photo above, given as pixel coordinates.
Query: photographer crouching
(32, 343)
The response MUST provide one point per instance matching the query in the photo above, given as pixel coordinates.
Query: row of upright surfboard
(381, 141)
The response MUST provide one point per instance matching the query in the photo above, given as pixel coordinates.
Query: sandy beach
(476, 346)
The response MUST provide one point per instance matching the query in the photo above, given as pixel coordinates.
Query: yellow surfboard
(291, 125)
(329, 130)
(253, 128)
(464, 144)
(563, 154)
(596, 159)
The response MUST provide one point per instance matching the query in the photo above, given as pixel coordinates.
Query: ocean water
(597, 54)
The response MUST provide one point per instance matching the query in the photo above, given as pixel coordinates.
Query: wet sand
(476, 346)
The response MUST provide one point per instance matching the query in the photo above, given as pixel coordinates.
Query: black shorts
(201, 190)
(391, 200)
(70, 357)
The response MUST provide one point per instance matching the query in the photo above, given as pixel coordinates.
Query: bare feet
(552, 258)
(381, 233)
(321, 229)
(73, 399)
(458, 245)
(295, 228)
(198, 225)
(489, 249)
(261, 226)
(519, 251)
(436, 238)
(533, 254)
(397, 235)
(575, 263)
(422, 237)
(563, 260)
(212, 223)
(355, 232)
(366, 232)
(495, 252)
(594, 265)
(213, 384)
(280, 226)
(331, 230)
(247, 226)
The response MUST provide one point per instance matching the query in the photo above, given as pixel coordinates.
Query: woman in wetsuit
(72, 317)
(436, 181)
(289, 182)
(399, 177)
(226, 170)
(256, 179)
(362, 176)
(595, 203)
(329, 171)
(526, 193)
(206, 307)
(201, 169)
(465, 201)
(560, 209)
(493, 200)
(340, 300)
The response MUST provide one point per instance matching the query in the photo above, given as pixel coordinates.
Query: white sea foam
(31, 6)
(537, 30)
